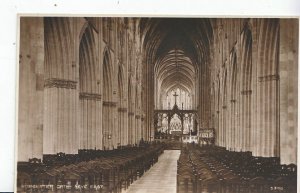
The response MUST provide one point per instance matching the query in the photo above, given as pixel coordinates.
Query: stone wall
(288, 72)
(31, 88)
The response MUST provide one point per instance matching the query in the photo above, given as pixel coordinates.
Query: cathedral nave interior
(102, 101)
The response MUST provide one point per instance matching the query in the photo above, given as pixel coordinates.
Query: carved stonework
(137, 116)
(224, 107)
(109, 104)
(130, 113)
(268, 78)
(246, 92)
(60, 83)
(89, 96)
(232, 100)
(122, 109)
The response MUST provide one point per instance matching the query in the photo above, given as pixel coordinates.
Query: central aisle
(161, 178)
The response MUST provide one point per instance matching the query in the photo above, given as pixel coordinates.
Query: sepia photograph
(157, 105)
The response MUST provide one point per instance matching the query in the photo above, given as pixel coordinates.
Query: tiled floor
(161, 178)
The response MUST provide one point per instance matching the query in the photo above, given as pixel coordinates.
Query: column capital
(270, 77)
(60, 83)
(130, 113)
(89, 96)
(246, 92)
(109, 104)
(122, 109)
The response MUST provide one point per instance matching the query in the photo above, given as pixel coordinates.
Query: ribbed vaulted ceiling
(175, 68)
(176, 48)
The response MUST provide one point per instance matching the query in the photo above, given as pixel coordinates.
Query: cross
(175, 95)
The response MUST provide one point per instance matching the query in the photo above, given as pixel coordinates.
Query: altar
(175, 122)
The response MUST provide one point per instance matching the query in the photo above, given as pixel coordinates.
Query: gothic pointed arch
(89, 91)
(122, 108)
(131, 111)
(107, 75)
(108, 132)
(121, 84)
(246, 88)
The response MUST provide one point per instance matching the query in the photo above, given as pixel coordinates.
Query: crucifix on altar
(175, 95)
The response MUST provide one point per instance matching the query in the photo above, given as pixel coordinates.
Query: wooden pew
(109, 171)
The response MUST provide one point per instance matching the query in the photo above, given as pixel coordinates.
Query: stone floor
(161, 178)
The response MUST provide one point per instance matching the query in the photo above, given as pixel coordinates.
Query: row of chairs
(87, 171)
(215, 169)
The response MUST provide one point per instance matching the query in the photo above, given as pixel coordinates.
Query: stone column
(233, 131)
(138, 128)
(126, 137)
(268, 90)
(225, 131)
(105, 126)
(109, 127)
(254, 132)
(130, 127)
(114, 125)
(246, 119)
(142, 127)
(123, 133)
(269, 115)
(90, 124)
(217, 128)
(60, 94)
(59, 116)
